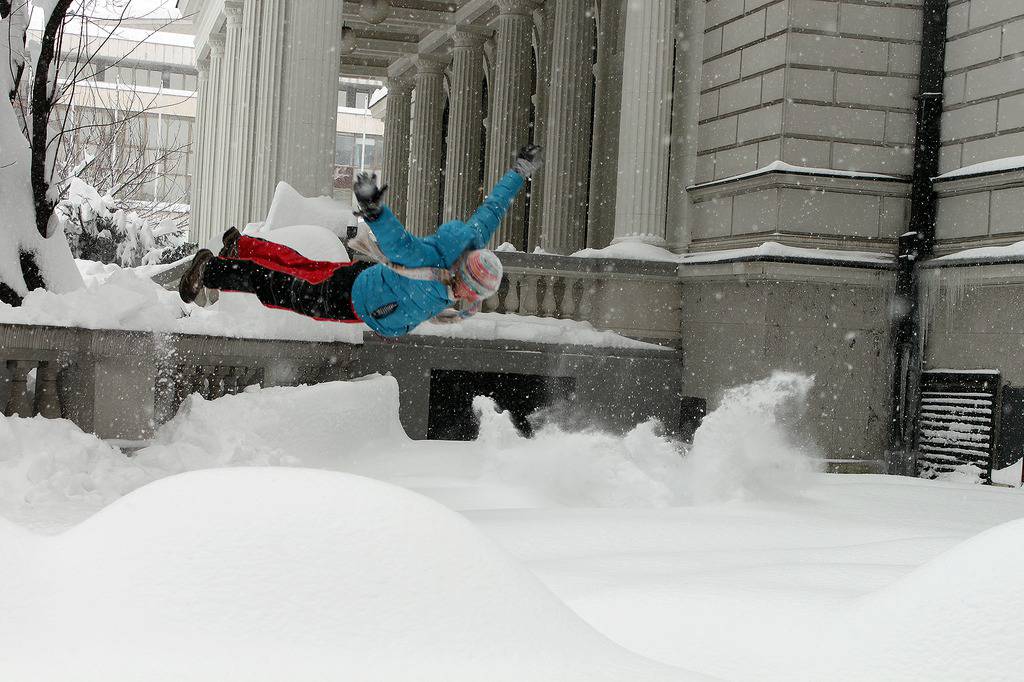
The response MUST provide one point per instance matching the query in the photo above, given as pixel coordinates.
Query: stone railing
(121, 385)
(639, 299)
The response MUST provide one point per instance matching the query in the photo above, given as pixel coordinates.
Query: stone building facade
(772, 144)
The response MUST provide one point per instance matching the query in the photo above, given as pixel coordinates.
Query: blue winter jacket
(392, 305)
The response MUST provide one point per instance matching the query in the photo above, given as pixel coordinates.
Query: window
(344, 150)
(370, 158)
(362, 100)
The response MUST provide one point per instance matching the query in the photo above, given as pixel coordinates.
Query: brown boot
(191, 282)
(230, 241)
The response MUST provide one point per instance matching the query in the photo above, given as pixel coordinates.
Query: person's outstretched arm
(394, 240)
(485, 220)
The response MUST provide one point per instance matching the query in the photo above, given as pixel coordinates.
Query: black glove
(529, 160)
(368, 196)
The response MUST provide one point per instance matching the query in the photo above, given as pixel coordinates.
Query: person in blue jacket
(415, 279)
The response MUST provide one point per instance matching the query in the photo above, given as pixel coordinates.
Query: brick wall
(984, 91)
(819, 83)
(983, 121)
(823, 84)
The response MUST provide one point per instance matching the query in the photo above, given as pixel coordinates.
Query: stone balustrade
(639, 299)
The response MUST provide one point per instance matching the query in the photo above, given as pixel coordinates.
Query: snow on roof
(995, 166)
(783, 167)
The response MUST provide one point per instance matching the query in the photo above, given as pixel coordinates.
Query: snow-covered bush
(100, 229)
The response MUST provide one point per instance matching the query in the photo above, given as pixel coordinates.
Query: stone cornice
(800, 180)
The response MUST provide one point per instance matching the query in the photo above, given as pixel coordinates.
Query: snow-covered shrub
(99, 229)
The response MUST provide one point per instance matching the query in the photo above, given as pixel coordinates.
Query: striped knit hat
(479, 275)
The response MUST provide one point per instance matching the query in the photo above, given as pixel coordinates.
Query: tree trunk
(43, 97)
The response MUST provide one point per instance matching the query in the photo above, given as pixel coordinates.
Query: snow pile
(743, 449)
(51, 468)
(1012, 475)
(312, 241)
(532, 329)
(330, 425)
(295, 574)
(289, 208)
(631, 251)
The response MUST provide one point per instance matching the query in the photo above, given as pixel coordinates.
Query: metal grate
(957, 422)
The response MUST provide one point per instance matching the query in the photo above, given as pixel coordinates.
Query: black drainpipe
(918, 242)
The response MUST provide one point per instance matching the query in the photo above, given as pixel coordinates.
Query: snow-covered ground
(233, 547)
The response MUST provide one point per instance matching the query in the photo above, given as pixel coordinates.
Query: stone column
(605, 144)
(540, 107)
(509, 114)
(645, 125)
(240, 193)
(425, 160)
(465, 121)
(685, 116)
(227, 163)
(268, 97)
(395, 168)
(567, 142)
(199, 132)
(308, 98)
(214, 161)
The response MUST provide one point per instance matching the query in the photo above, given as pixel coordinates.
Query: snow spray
(746, 448)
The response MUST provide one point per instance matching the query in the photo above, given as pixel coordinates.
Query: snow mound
(52, 474)
(313, 242)
(49, 466)
(955, 618)
(289, 208)
(327, 425)
(296, 574)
